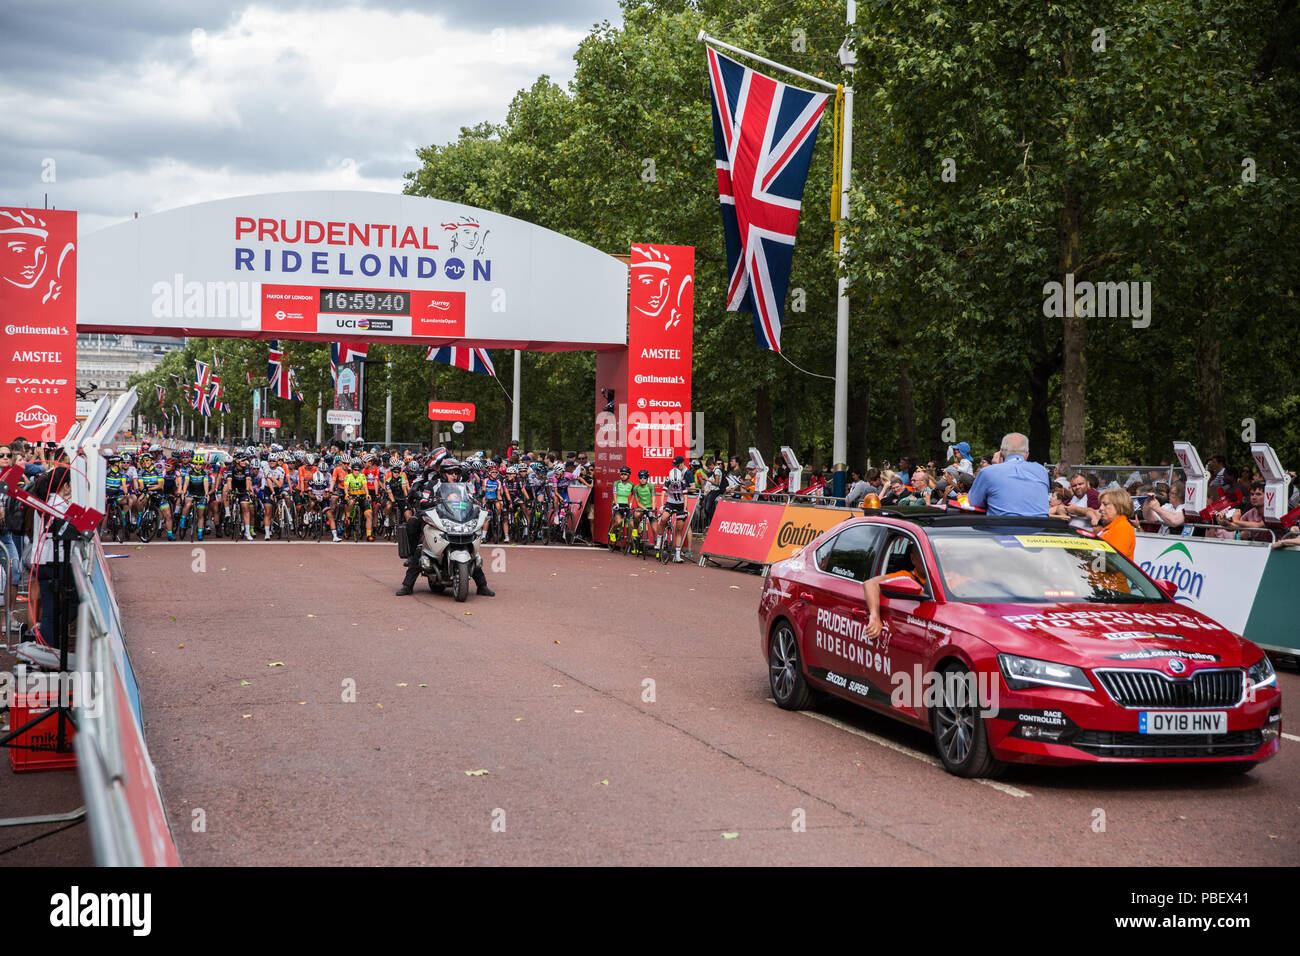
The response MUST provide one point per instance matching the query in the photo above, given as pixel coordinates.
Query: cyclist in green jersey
(643, 501)
(622, 502)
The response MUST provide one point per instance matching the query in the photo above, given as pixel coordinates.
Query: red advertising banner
(743, 530)
(661, 321)
(38, 309)
(451, 411)
(611, 442)
(268, 423)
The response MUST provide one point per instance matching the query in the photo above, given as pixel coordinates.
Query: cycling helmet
(412, 468)
(113, 459)
(310, 459)
(370, 459)
(625, 470)
(643, 475)
(677, 462)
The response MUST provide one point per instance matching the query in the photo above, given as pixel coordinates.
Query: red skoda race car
(1014, 640)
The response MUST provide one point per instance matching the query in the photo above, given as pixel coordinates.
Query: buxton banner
(356, 265)
(38, 309)
(1218, 578)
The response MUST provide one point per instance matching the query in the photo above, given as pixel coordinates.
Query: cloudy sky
(144, 105)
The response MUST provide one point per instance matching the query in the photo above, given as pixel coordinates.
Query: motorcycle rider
(422, 499)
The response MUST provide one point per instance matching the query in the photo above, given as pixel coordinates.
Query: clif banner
(38, 309)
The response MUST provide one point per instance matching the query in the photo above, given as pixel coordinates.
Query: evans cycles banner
(38, 312)
(352, 265)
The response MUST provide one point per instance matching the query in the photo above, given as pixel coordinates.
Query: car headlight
(1261, 674)
(1022, 672)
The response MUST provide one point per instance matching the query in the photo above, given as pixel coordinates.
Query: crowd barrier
(762, 532)
(1246, 586)
(124, 805)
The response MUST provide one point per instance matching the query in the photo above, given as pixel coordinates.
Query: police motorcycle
(453, 528)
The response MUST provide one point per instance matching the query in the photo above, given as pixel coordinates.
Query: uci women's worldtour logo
(1189, 581)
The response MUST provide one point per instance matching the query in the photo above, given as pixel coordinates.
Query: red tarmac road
(620, 712)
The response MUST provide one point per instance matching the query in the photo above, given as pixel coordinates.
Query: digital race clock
(365, 301)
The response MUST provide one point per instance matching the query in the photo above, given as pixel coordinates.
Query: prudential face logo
(1169, 566)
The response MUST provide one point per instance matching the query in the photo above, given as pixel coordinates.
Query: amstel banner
(38, 309)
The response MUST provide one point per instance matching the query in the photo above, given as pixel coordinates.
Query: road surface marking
(914, 754)
(1292, 737)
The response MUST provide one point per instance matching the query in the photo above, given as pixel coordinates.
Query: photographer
(1166, 506)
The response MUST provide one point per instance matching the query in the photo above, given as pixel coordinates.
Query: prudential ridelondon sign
(332, 265)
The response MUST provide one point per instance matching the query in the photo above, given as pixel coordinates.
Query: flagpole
(705, 38)
(839, 452)
(840, 441)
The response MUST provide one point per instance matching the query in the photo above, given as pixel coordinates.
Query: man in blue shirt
(1014, 486)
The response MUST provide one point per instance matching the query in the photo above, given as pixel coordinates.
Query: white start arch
(336, 264)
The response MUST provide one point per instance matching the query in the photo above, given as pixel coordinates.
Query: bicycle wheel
(148, 525)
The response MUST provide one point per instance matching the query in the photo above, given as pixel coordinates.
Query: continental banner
(801, 524)
(38, 308)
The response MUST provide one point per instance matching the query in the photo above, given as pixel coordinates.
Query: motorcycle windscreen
(456, 502)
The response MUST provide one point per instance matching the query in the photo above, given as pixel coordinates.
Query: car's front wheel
(960, 734)
(790, 688)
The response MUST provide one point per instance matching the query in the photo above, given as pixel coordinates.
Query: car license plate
(1183, 722)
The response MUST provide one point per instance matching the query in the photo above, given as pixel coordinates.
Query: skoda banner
(38, 309)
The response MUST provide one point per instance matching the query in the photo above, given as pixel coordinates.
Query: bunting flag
(176, 410)
(343, 352)
(472, 360)
(162, 390)
(763, 137)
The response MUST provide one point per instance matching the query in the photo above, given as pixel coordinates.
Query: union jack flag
(341, 352)
(202, 375)
(277, 373)
(473, 360)
(763, 137)
(162, 389)
(293, 387)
